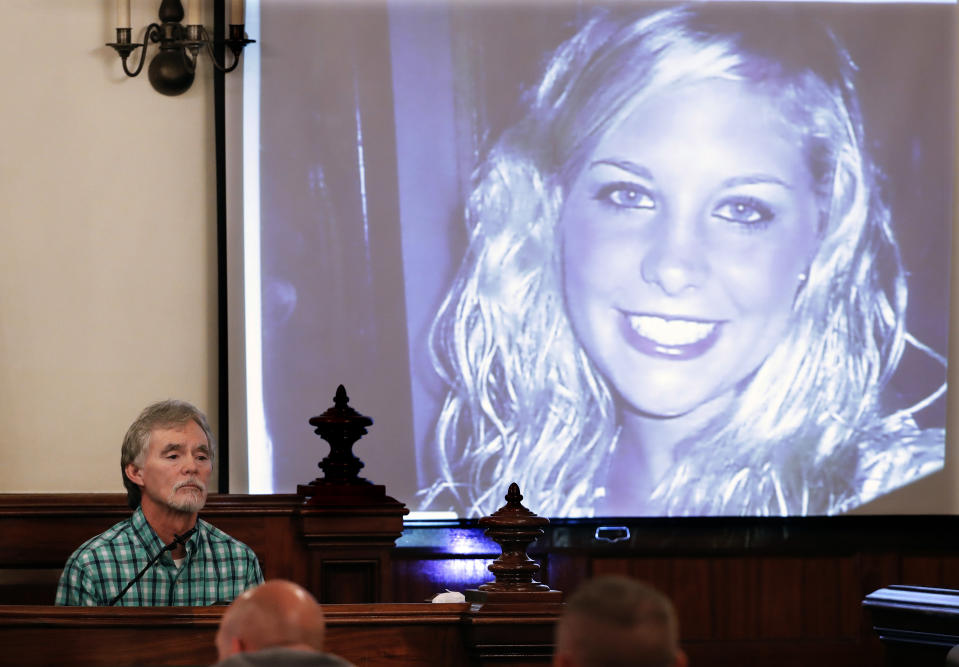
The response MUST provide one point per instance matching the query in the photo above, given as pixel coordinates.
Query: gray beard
(188, 504)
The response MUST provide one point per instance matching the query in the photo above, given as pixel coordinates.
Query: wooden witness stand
(510, 632)
(334, 536)
(508, 622)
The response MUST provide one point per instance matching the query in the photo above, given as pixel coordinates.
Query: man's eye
(747, 211)
(626, 195)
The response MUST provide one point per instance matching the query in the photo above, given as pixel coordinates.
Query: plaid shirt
(217, 568)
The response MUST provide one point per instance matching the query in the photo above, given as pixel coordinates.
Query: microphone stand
(177, 540)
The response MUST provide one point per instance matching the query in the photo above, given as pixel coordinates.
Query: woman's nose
(675, 259)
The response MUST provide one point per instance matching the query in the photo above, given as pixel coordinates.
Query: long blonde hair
(526, 404)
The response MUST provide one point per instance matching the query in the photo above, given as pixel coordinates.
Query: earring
(803, 277)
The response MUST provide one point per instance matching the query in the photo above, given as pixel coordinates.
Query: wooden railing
(374, 635)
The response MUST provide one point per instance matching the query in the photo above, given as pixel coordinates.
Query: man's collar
(144, 531)
(150, 540)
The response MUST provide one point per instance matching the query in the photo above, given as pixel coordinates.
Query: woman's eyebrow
(625, 165)
(756, 179)
(641, 171)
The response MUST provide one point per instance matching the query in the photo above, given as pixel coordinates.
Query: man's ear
(227, 647)
(681, 659)
(134, 474)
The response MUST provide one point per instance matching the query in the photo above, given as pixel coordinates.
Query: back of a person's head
(615, 621)
(275, 613)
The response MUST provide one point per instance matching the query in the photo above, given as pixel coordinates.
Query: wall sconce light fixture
(172, 69)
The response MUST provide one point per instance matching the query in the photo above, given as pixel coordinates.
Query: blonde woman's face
(683, 239)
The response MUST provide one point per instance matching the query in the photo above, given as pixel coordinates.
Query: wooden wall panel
(930, 570)
(690, 587)
(563, 571)
(735, 602)
(878, 569)
(780, 598)
(828, 598)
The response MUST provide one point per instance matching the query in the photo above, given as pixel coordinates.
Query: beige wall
(108, 251)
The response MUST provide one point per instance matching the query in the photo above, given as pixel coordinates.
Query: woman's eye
(625, 195)
(744, 211)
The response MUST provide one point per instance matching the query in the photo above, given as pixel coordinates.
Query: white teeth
(670, 332)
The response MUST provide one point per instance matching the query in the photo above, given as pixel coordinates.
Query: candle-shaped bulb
(237, 12)
(123, 13)
(193, 12)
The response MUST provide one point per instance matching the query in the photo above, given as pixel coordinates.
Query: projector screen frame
(238, 420)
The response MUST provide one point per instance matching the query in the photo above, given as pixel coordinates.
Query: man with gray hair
(163, 554)
(615, 621)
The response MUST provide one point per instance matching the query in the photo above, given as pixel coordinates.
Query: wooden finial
(514, 528)
(341, 426)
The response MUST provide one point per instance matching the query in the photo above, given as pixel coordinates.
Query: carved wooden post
(349, 524)
(514, 528)
(514, 593)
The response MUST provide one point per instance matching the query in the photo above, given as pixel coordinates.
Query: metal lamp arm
(124, 47)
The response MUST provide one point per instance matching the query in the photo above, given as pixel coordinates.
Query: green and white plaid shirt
(217, 568)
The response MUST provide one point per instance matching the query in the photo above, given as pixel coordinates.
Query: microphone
(177, 541)
(180, 539)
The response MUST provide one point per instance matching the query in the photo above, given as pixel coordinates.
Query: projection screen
(644, 259)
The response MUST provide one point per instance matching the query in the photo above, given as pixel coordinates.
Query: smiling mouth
(670, 332)
(673, 338)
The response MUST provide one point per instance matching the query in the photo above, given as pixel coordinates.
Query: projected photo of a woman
(683, 292)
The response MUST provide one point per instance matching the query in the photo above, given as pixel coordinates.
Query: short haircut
(164, 414)
(615, 621)
(278, 612)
